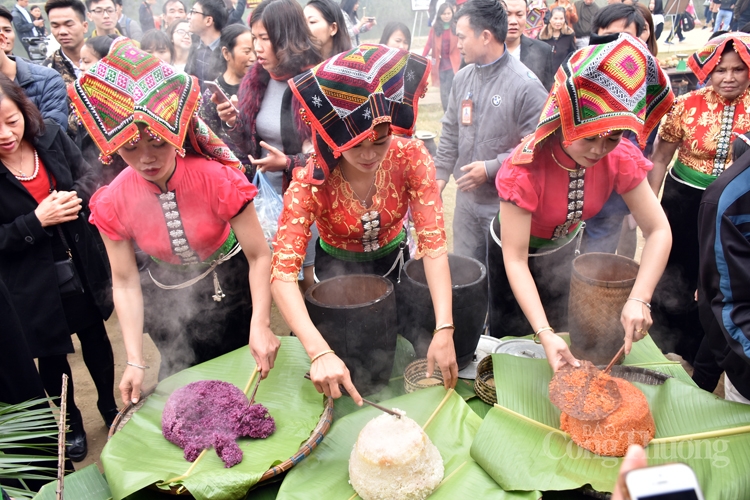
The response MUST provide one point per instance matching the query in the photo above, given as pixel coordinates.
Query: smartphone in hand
(216, 90)
(663, 482)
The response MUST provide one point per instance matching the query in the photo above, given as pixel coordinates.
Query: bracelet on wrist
(443, 327)
(647, 304)
(542, 329)
(320, 355)
(142, 367)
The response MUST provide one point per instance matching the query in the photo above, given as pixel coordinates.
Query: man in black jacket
(724, 280)
(535, 55)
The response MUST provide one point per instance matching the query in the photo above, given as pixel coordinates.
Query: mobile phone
(217, 90)
(664, 482)
(370, 19)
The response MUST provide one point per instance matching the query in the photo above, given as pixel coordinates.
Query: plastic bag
(268, 206)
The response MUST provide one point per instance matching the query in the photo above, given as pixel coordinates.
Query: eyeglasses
(100, 12)
(191, 12)
(181, 33)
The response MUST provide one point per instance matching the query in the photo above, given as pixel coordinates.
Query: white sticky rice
(393, 459)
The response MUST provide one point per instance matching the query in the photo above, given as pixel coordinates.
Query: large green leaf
(85, 484)
(325, 474)
(521, 447)
(139, 456)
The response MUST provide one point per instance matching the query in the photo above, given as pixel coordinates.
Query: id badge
(467, 112)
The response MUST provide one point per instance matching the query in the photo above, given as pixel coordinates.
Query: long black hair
(290, 37)
(393, 27)
(332, 14)
(348, 7)
(228, 39)
(437, 24)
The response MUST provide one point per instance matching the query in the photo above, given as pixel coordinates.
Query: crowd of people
(128, 155)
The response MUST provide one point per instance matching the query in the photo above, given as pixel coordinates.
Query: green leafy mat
(139, 456)
(520, 445)
(85, 484)
(325, 474)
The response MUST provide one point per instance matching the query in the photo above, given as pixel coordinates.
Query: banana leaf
(85, 484)
(139, 456)
(521, 447)
(325, 474)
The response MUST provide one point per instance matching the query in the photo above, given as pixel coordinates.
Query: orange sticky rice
(631, 423)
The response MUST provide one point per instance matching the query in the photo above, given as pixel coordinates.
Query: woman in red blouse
(699, 129)
(446, 58)
(186, 204)
(562, 175)
(358, 187)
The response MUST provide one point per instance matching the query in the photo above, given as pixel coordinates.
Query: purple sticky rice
(213, 413)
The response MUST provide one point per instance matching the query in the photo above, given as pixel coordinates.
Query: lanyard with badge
(467, 110)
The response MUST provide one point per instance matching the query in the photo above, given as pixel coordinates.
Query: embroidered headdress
(344, 97)
(601, 88)
(705, 59)
(130, 86)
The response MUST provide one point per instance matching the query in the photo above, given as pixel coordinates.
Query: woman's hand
(636, 319)
(131, 383)
(227, 111)
(442, 353)
(557, 351)
(275, 161)
(328, 372)
(264, 346)
(634, 459)
(58, 207)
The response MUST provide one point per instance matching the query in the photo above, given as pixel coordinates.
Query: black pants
(97, 354)
(677, 326)
(677, 28)
(551, 274)
(187, 325)
(446, 82)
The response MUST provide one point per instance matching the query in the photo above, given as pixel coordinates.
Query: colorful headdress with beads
(601, 88)
(344, 97)
(703, 62)
(130, 86)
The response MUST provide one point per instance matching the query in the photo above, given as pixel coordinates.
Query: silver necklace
(367, 194)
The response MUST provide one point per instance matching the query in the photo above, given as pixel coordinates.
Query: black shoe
(76, 444)
(109, 416)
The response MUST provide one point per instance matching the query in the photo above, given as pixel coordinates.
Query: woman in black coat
(559, 36)
(44, 188)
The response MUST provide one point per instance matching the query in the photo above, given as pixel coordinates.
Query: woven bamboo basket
(484, 384)
(415, 376)
(317, 435)
(599, 287)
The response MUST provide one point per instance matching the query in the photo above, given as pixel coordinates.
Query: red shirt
(183, 226)
(404, 181)
(544, 188)
(38, 187)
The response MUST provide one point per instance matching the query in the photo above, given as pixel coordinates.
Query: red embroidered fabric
(404, 181)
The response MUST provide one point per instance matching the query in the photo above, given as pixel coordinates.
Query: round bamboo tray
(317, 435)
(415, 376)
(484, 384)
